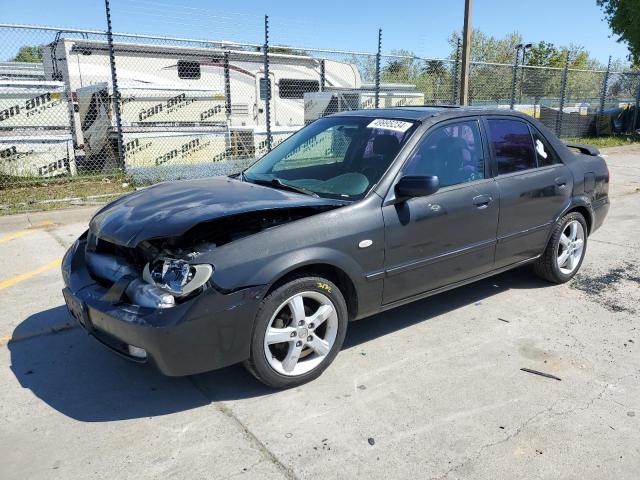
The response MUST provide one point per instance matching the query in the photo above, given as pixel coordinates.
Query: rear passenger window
(546, 156)
(513, 145)
(452, 152)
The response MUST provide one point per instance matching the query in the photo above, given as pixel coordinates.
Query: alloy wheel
(570, 247)
(301, 333)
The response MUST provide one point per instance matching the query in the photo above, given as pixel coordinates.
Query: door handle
(561, 182)
(482, 201)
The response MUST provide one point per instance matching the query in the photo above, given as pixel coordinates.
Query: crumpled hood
(171, 209)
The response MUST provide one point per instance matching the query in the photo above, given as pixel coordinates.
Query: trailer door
(259, 110)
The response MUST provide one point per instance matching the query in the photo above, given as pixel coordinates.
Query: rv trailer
(164, 107)
(38, 155)
(35, 131)
(221, 67)
(21, 71)
(29, 104)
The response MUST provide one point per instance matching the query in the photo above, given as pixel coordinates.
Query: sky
(419, 26)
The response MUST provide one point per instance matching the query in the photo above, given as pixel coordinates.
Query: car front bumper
(210, 331)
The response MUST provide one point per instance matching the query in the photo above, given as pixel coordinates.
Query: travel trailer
(165, 125)
(28, 104)
(239, 74)
(21, 71)
(143, 107)
(37, 155)
(35, 133)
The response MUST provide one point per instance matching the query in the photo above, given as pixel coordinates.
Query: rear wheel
(299, 329)
(563, 256)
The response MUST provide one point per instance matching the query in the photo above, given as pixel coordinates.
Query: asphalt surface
(430, 390)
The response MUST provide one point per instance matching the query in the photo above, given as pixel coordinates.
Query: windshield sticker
(387, 124)
(540, 149)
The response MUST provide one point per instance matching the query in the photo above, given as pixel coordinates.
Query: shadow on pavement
(76, 376)
(428, 308)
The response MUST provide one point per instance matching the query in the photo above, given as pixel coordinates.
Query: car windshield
(336, 157)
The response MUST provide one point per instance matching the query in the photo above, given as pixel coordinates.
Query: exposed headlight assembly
(177, 277)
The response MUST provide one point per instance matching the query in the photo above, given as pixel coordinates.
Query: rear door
(448, 236)
(534, 187)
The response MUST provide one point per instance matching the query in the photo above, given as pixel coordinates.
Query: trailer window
(294, 88)
(188, 70)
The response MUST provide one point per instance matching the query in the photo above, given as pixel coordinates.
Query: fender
(283, 264)
(580, 200)
(368, 293)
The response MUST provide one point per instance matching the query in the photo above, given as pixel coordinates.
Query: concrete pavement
(431, 390)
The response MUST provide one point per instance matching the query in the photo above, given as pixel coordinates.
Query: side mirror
(416, 186)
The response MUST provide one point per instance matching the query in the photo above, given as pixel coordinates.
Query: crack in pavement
(253, 439)
(40, 333)
(519, 430)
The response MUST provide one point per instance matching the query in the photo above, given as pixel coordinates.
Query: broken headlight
(177, 277)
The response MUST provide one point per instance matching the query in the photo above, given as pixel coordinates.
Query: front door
(535, 187)
(449, 236)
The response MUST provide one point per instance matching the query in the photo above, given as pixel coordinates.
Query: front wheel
(567, 246)
(299, 329)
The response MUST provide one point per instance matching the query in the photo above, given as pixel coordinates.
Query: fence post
(563, 93)
(323, 77)
(603, 96)
(378, 68)
(636, 114)
(454, 83)
(227, 87)
(514, 79)
(267, 109)
(114, 82)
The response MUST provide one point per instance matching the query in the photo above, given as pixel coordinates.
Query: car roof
(422, 113)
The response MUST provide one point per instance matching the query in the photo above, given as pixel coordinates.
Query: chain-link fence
(180, 108)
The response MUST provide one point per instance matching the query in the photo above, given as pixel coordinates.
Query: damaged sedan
(354, 214)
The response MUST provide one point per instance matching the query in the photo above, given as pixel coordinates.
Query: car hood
(171, 209)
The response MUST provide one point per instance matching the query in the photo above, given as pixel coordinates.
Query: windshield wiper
(276, 182)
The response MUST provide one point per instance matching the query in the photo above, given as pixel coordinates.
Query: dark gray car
(354, 214)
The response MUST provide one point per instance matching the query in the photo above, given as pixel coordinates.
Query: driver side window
(452, 152)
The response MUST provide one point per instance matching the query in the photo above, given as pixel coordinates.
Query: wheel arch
(585, 212)
(325, 270)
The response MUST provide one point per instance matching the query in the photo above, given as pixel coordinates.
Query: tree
(27, 53)
(440, 80)
(487, 48)
(623, 17)
(401, 67)
(490, 83)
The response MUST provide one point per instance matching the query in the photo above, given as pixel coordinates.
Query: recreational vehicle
(35, 133)
(221, 67)
(21, 71)
(37, 155)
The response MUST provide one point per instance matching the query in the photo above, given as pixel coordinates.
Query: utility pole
(466, 53)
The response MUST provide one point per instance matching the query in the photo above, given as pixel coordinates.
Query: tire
(548, 266)
(306, 319)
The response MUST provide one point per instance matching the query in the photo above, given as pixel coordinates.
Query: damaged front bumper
(209, 331)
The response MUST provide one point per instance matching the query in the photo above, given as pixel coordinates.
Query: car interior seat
(455, 161)
(385, 148)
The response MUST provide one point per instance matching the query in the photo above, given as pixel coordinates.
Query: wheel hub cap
(301, 333)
